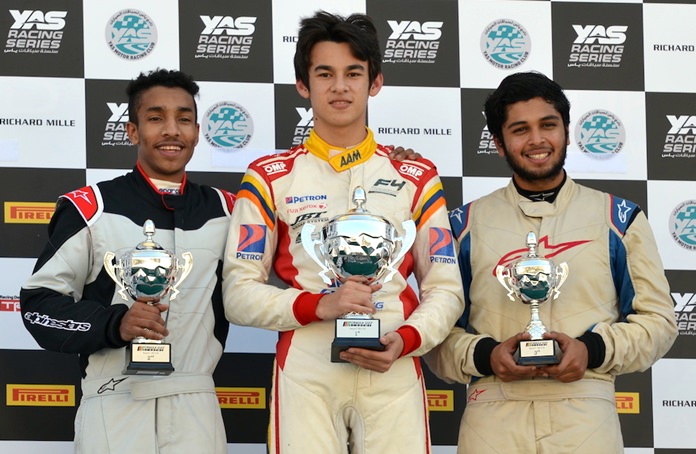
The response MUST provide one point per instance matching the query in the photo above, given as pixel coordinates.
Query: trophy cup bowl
(148, 273)
(357, 243)
(534, 280)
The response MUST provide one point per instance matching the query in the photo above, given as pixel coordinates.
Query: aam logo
(429, 31)
(40, 395)
(241, 398)
(29, 212)
(28, 19)
(217, 25)
(591, 34)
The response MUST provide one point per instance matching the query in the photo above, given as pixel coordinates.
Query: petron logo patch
(224, 37)
(131, 34)
(440, 400)
(627, 403)
(600, 134)
(441, 245)
(241, 398)
(40, 395)
(413, 42)
(682, 225)
(29, 212)
(35, 32)
(680, 140)
(505, 44)
(227, 125)
(252, 241)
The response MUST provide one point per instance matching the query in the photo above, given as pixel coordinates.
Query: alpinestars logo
(680, 141)
(682, 224)
(115, 134)
(131, 34)
(597, 46)
(505, 44)
(413, 42)
(684, 305)
(35, 32)
(44, 320)
(600, 134)
(224, 37)
(304, 125)
(227, 125)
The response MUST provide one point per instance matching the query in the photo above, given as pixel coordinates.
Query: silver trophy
(148, 272)
(357, 243)
(533, 280)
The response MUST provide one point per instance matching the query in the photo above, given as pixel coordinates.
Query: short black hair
(158, 78)
(357, 30)
(523, 86)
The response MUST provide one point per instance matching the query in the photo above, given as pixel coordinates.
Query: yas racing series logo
(682, 225)
(597, 46)
(680, 141)
(413, 42)
(115, 134)
(486, 143)
(227, 126)
(505, 44)
(304, 125)
(35, 32)
(684, 305)
(225, 37)
(131, 34)
(600, 134)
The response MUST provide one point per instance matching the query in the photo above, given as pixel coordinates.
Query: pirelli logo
(628, 403)
(40, 395)
(28, 212)
(440, 400)
(242, 398)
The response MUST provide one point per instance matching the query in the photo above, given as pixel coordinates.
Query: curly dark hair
(158, 78)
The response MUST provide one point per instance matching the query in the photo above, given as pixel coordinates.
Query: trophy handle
(503, 274)
(310, 243)
(561, 275)
(185, 270)
(111, 271)
(405, 243)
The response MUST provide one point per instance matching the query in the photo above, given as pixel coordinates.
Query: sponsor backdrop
(627, 67)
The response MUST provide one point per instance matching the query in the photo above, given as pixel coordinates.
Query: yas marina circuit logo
(600, 134)
(35, 32)
(682, 225)
(227, 126)
(224, 37)
(131, 34)
(115, 134)
(413, 42)
(505, 44)
(597, 46)
(680, 140)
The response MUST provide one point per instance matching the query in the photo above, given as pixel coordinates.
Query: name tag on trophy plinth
(148, 272)
(357, 243)
(533, 280)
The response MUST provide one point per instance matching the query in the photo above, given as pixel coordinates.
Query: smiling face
(534, 143)
(339, 88)
(166, 133)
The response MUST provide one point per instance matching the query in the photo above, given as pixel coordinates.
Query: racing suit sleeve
(54, 307)
(441, 300)
(648, 328)
(251, 245)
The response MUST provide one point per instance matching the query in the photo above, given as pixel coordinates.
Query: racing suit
(320, 406)
(70, 305)
(615, 299)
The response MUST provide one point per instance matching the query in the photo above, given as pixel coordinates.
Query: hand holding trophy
(357, 243)
(534, 280)
(148, 272)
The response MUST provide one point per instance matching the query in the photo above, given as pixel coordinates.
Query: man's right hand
(354, 295)
(144, 319)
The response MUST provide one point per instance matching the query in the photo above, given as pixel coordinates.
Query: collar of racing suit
(342, 158)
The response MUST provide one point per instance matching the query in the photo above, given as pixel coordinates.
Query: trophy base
(539, 352)
(355, 332)
(148, 358)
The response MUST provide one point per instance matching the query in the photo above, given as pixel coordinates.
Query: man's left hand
(379, 361)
